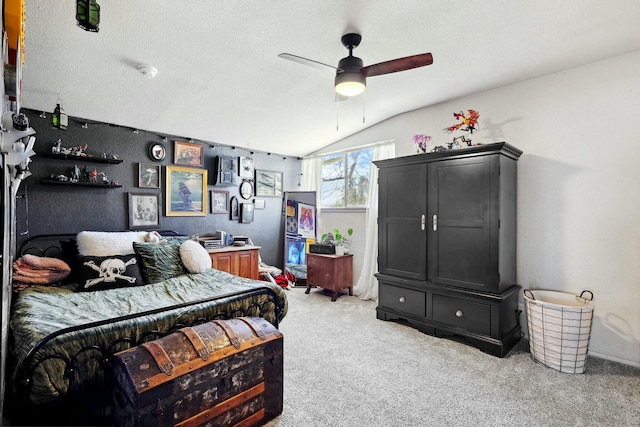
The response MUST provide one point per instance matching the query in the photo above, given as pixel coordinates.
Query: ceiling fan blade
(399, 64)
(309, 62)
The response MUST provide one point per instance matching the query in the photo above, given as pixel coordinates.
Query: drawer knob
(459, 313)
(402, 299)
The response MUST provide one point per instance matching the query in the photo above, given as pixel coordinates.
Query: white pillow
(195, 257)
(104, 243)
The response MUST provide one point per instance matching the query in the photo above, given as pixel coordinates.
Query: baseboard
(614, 359)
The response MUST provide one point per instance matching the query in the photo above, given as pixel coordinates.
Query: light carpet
(343, 367)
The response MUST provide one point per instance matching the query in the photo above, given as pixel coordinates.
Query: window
(345, 179)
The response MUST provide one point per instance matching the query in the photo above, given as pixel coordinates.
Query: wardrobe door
(402, 210)
(463, 206)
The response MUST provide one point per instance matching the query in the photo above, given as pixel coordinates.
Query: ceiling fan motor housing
(349, 79)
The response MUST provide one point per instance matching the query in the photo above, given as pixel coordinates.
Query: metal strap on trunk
(196, 341)
(231, 334)
(160, 356)
(255, 326)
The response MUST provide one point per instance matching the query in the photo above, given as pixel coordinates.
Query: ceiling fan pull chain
(363, 109)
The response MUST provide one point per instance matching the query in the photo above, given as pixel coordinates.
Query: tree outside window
(345, 179)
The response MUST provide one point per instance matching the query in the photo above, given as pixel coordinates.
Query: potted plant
(340, 241)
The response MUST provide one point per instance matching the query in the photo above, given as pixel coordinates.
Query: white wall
(331, 219)
(578, 184)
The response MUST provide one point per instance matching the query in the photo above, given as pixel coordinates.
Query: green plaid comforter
(41, 311)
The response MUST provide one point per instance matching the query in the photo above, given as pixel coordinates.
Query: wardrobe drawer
(468, 315)
(402, 299)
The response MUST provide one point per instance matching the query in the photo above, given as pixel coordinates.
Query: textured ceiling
(220, 79)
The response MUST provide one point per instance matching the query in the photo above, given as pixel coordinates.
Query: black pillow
(107, 272)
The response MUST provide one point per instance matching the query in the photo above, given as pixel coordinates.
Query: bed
(62, 339)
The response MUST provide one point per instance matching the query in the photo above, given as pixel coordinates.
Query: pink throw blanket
(32, 270)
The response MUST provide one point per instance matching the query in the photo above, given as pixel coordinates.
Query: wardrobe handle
(423, 222)
(435, 223)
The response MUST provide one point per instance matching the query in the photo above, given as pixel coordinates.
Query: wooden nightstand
(332, 272)
(239, 260)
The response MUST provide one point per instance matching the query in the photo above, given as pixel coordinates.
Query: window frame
(346, 154)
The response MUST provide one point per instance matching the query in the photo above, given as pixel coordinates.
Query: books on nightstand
(214, 241)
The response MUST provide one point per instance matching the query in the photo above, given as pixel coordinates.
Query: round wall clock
(246, 190)
(157, 152)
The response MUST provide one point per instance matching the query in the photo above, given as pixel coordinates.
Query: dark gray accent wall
(48, 209)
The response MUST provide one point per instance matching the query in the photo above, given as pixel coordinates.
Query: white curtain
(312, 181)
(312, 174)
(367, 286)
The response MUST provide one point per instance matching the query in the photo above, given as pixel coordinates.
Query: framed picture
(268, 183)
(144, 210)
(219, 201)
(188, 153)
(246, 215)
(157, 152)
(260, 203)
(245, 167)
(246, 189)
(225, 171)
(186, 191)
(148, 175)
(234, 213)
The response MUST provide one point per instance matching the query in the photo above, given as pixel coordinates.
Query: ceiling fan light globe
(350, 84)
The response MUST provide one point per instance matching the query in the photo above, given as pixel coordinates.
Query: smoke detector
(147, 71)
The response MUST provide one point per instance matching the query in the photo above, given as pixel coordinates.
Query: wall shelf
(80, 158)
(46, 181)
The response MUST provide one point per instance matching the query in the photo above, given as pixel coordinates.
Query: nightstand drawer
(402, 299)
(471, 316)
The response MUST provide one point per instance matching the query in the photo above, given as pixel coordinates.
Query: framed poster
(219, 201)
(148, 175)
(188, 153)
(296, 248)
(186, 190)
(144, 210)
(307, 220)
(268, 183)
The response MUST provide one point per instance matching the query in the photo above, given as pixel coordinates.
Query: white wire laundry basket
(559, 327)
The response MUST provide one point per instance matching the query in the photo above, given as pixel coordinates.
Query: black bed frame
(97, 409)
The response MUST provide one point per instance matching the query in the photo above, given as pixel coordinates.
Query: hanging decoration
(468, 123)
(88, 15)
(59, 118)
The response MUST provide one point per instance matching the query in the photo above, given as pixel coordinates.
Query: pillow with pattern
(107, 272)
(160, 261)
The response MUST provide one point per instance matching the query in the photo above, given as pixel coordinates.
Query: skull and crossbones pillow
(98, 273)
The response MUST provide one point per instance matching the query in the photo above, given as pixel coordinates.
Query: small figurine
(55, 149)
(93, 176)
(74, 174)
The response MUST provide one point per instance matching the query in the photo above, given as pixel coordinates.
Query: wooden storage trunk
(220, 373)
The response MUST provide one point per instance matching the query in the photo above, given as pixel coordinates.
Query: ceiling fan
(351, 75)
